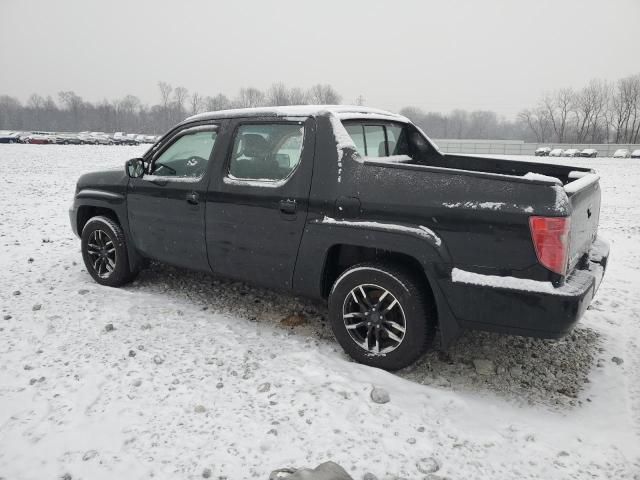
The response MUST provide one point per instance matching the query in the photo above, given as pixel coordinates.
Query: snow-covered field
(200, 372)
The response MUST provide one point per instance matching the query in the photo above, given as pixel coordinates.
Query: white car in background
(542, 152)
(622, 153)
(589, 153)
(572, 152)
(635, 154)
(556, 152)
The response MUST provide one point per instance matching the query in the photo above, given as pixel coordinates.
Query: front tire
(104, 251)
(382, 315)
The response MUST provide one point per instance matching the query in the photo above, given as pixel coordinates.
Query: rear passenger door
(257, 207)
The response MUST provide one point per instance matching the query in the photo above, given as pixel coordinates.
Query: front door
(257, 205)
(166, 206)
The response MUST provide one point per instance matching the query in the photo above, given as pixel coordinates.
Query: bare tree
(250, 97)
(458, 124)
(126, 111)
(165, 96)
(557, 106)
(165, 93)
(10, 112)
(219, 102)
(197, 103)
(278, 94)
(324, 95)
(298, 96)
(74, 104)
(36, 102)
(626, 104)
(538, 121)
(180, 95)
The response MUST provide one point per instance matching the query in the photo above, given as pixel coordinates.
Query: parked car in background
(542, 152)
(22, 136)
(9, 137)
(67, 139)
(85, 138)
(130, 139)
(572, 152)
(119, 138)
(635, 154)
(95, 138)
(102, 139)
(40, 138)
(556, 152)
(116, 138)
(622, 153)
(589, 153)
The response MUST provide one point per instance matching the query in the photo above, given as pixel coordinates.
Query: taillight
(550, 237)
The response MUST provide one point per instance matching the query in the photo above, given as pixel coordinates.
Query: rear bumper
(528, 308)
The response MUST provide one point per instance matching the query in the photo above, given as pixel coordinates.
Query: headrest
(254, 145)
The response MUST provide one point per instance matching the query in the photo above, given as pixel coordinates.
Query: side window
(187, 157)
(397, 139)
(375, 140)
(266, 151)
(357, 135)
(378, 140)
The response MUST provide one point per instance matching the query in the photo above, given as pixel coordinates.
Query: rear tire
(386, 330)
(104, 251)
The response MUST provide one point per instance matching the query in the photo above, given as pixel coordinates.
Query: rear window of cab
(378, 140)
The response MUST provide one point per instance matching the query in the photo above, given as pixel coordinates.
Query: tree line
(600, 112)
(72, 113)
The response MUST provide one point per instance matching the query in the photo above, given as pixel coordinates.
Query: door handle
(288, 206)
(193, 198)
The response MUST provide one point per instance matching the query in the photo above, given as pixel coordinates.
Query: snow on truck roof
(343, 112)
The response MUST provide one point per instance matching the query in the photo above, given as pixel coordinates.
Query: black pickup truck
(356, 206)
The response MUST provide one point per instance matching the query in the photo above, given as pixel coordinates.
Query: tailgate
(584, 197)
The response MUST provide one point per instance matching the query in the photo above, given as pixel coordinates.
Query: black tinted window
(266, 151)
(186, 157)
(378, 140)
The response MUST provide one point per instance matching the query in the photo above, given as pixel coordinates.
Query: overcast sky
(476, 54)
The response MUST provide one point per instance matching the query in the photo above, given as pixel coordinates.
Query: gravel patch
(519, 369)
(527, 370)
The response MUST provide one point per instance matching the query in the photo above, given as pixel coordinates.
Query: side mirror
(134, 168)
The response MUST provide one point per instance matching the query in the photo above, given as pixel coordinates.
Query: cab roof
(341, 111)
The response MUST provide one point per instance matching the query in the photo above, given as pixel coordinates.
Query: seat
(254, 145)
(258, 162)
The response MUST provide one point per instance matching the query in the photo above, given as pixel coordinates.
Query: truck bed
(577, 191)
(509, 166)
(580, 185)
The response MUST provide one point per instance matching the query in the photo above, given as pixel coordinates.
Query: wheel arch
(326, 253)
(117, 212)
(86, 212)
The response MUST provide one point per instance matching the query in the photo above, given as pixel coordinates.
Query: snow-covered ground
(200, 372)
